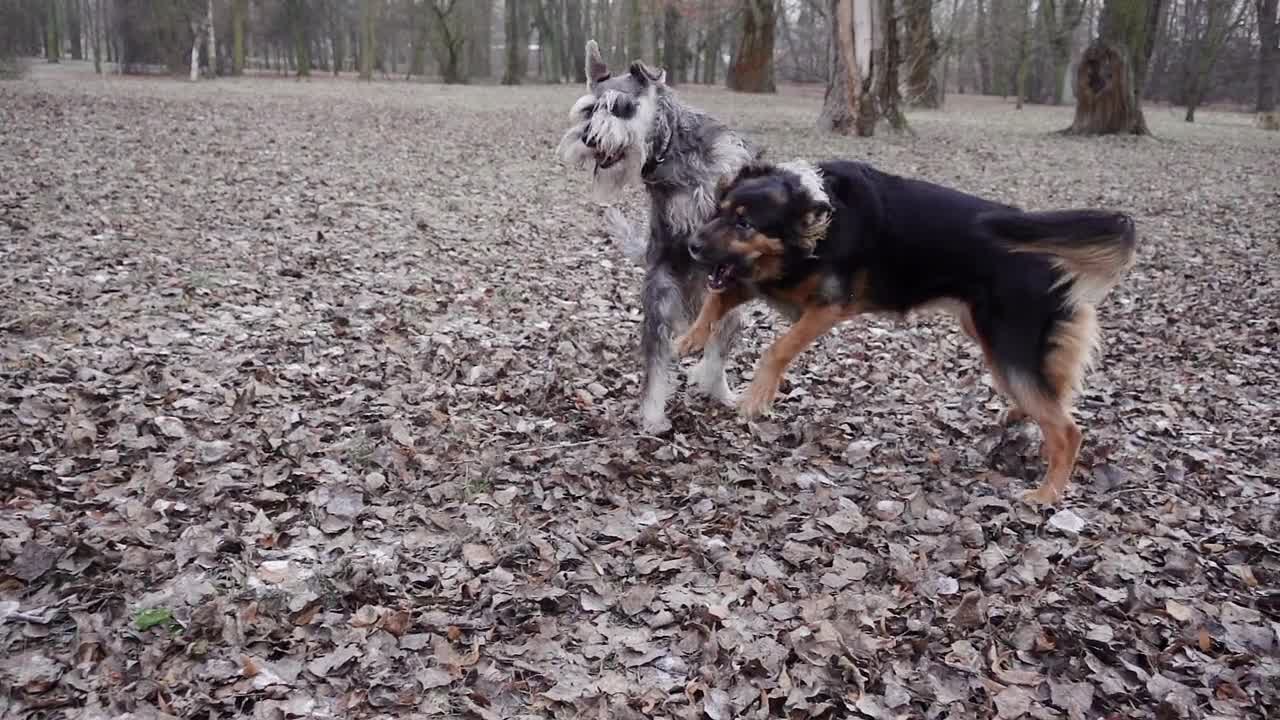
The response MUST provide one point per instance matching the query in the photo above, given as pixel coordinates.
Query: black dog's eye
(743, 223)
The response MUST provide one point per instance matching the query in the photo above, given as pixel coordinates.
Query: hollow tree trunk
(1110, 75)
(857, 44)
(752, 68)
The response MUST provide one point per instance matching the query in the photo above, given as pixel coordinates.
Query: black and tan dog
(825, 243)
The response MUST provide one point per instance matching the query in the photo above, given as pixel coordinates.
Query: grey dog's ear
(597, 71)
(647, 73)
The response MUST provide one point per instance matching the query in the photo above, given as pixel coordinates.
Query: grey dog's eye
(624, 109)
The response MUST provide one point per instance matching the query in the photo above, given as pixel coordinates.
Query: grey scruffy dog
(632, 129)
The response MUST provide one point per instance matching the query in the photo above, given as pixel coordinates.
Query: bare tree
(1110, 75)
(451, 40)
(239, 11)
(752, 67)
(211, 44)
(1209, 25)
(922, 55)
(366, 40)
(516, 26)
(1268, 63)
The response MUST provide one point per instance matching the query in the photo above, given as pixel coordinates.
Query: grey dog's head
(612, 124)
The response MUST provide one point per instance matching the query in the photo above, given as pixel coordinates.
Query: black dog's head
(764, 215)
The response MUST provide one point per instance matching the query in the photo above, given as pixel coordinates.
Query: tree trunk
(1268, 63)
(479, 38)
(195, 51)
(982, 50)
(300, 32)
(95, 32)
(884, 70)
(53, 33)
(922, 55)
(366, 40)
(1218, 28)
(672, 50)
(840, 104)
(576, 41)
(74, 29)
(516, 26)
(1111, 73)
(420, 40)
(752, 68)
(450, 41)
(238, 11)
(211, 44)
(635, 32)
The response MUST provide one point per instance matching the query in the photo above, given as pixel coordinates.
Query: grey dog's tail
(632, 239)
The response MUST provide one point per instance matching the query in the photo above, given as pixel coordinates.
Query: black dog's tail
(1093, 248)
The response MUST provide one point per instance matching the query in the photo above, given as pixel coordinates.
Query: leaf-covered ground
(318, 401)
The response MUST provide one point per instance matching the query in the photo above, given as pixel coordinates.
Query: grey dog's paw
(630, 239)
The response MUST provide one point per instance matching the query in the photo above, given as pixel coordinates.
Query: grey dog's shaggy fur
(634, 130)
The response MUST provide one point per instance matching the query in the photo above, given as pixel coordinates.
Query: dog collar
(658, 157)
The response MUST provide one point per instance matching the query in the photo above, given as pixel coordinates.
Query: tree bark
(479, 38)
(74, 28)
(1219, 25)
(211, 44)
(635, 32)
(840, 103)
(195, 51)
(1111, 73)
(516, 27)
(983, 50)
(366, 40)
(53, 32)
(576, 41)
(239, 8)
(752, 68)
(887, 57)
(1268, 62)
(94, 8)
(672, 48)
(420, 40)
(922, 55)
(451, 40)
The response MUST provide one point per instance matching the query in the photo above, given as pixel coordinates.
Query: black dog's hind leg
(663, 314)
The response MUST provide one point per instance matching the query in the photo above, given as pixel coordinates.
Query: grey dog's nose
(589, 140)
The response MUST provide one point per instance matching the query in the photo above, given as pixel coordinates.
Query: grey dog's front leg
(662, 315)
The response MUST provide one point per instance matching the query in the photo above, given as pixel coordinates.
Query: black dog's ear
(646, 74)
(813, 226)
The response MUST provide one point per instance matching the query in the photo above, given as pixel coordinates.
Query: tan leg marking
(813, 324)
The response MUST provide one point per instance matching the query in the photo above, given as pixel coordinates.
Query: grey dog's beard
(612, 136)
(606, 183)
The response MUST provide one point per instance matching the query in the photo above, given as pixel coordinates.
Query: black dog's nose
(695, 246)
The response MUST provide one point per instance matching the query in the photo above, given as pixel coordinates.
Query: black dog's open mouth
(720, 278)
(604, 162)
